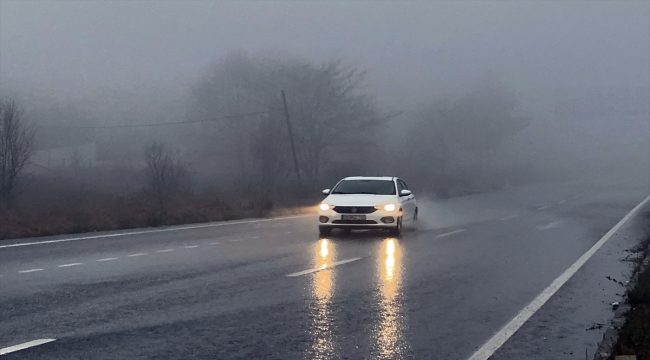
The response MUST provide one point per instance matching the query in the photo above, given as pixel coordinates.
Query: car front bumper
(379, 219)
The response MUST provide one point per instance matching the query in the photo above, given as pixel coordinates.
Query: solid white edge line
(492, 345)
(450, 233)
(154, 231)
(24, 346)
(305, 272)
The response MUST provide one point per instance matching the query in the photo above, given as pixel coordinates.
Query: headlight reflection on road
(322, 288)
(389, 338)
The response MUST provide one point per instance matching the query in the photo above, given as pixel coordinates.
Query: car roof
(370, 178)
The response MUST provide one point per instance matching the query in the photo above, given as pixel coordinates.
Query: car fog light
(323, 219)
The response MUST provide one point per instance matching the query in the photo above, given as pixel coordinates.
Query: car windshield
(374, 187)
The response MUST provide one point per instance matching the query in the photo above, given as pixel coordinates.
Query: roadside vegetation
(238, 151)
(634, 335)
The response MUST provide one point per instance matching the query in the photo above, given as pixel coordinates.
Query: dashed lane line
(450, 233)
(545, 207)
(561, 202)
(69, 265)
(494, 343)
(324, 267)
(131, 255)
(24, 346)
(552, 225)
(214, 243)
(29, 271)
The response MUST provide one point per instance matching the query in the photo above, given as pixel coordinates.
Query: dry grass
(78, 211)
(634, 335)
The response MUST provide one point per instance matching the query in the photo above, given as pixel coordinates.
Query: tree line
(339, 129)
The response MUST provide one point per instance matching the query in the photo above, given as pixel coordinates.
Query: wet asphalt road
(222, 291)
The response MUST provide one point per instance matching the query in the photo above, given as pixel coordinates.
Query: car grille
(355, 222)
(355, 209)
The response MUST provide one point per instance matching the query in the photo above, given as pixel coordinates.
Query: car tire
(324, 230)
(398, 228)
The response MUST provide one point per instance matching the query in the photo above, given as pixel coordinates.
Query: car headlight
(389, 207)
(325, 207)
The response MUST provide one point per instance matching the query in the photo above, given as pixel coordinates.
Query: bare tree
(165, 175)
(16, 147)
(482, 119)
(328, 103)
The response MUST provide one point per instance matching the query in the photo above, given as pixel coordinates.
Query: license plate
(353, 217)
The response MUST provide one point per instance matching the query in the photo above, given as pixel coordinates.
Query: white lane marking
(552, 225)
(492, 345)
(545, 207)
(254, 237)
(166, 250)
(138, 254)
(155, 231)
(324, 267)
(29, 271)
(24, 346)
(191, 247)
(107, 259)
(69, 265)
(234, 240)
(577, 196)
(509, 217)
(450, 233)
(214, 243)
(561, 202)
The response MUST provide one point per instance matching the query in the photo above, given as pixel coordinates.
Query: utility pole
(293, 146)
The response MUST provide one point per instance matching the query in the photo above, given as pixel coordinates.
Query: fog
(550, 90)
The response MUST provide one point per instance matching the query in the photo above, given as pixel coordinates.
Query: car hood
(359, 200)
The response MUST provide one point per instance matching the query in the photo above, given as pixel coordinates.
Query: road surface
(273, 289)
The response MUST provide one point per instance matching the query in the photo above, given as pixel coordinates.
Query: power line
(149, 125)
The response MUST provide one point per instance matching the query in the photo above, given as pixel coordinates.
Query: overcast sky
(411, 49)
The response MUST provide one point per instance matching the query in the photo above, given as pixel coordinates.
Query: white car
(367, 203)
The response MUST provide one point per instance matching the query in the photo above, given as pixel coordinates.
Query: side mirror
(405, 193)
(326, 192)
